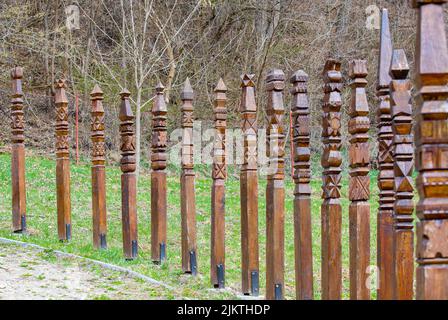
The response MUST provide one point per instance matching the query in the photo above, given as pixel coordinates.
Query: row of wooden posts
(396, 145)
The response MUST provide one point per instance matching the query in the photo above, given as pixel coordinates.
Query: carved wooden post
(158, 177)
(188, 208)
(331, 162)
(219, 175)
(302, 193)
(359, 187)
(98, 170)
(128, 178)
(62, 162)
(403, 149)
(431, 140)
(18, 153)
(275, 189)
(385, 164)
(249, 189)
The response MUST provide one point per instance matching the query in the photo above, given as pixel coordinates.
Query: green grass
(41, 211)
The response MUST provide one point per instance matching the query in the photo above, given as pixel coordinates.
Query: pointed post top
(159, 88)
(248, 103)
(187, 92)
(385, 55)
(221, 87)
(59, 94)
(159, 105)
(299, 76)
(399, 67)
(125, 93)
(125, 107)
(97, 93)
(17, 73)
(247, 80)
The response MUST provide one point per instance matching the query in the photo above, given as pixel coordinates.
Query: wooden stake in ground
(219, 174)
(18, 153)
(359, 187)
(431, 139)
(331, 162)
(62, 162)
(403, 151)
(249, 189)
(98, 170)
(188, 206)
(158, 177)
(302, 192)
(275, 189)
(128, 179)
(385, 164)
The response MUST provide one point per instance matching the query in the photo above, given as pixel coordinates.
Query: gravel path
(30, 273)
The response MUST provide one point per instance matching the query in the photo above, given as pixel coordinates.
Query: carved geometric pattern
(359, 188)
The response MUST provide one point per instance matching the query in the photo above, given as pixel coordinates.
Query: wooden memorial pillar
(275, 189)
(385, 165)
(158, 177)
(98, 170)
(188, 206)
(18, 153)
(359, 187)
(62, 162)
(431, 139)
(128, 179)
(403, 150)
(219, 174)
(331, 162)
(249, 189)
(302, 193)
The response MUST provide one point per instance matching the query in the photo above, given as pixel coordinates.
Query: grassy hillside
(41, 210)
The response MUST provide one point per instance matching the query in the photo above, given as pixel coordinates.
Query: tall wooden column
(331, 160)
(403, 150)
(431, 139)
(98, 170)
(158, 177)
(359, 187)
(62, 162)
(18, 153)
(385, 165)
(188, 206)
(249, 189)
(219, 174)
(128, 178)
(302, 193)
(275, 189)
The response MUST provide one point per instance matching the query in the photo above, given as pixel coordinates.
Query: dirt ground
(31, 273)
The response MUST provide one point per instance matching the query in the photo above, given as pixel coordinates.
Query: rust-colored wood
(62, 162)
(188, 206)
(359, 186)
(219, 174)
(385, 165)
(431, 139)
(158, 177)
(98, 170)
(331, 161)
(275, 189)
(403, 151)
(249, 189)
(18, 153)
(302, 193)
(128, 178)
